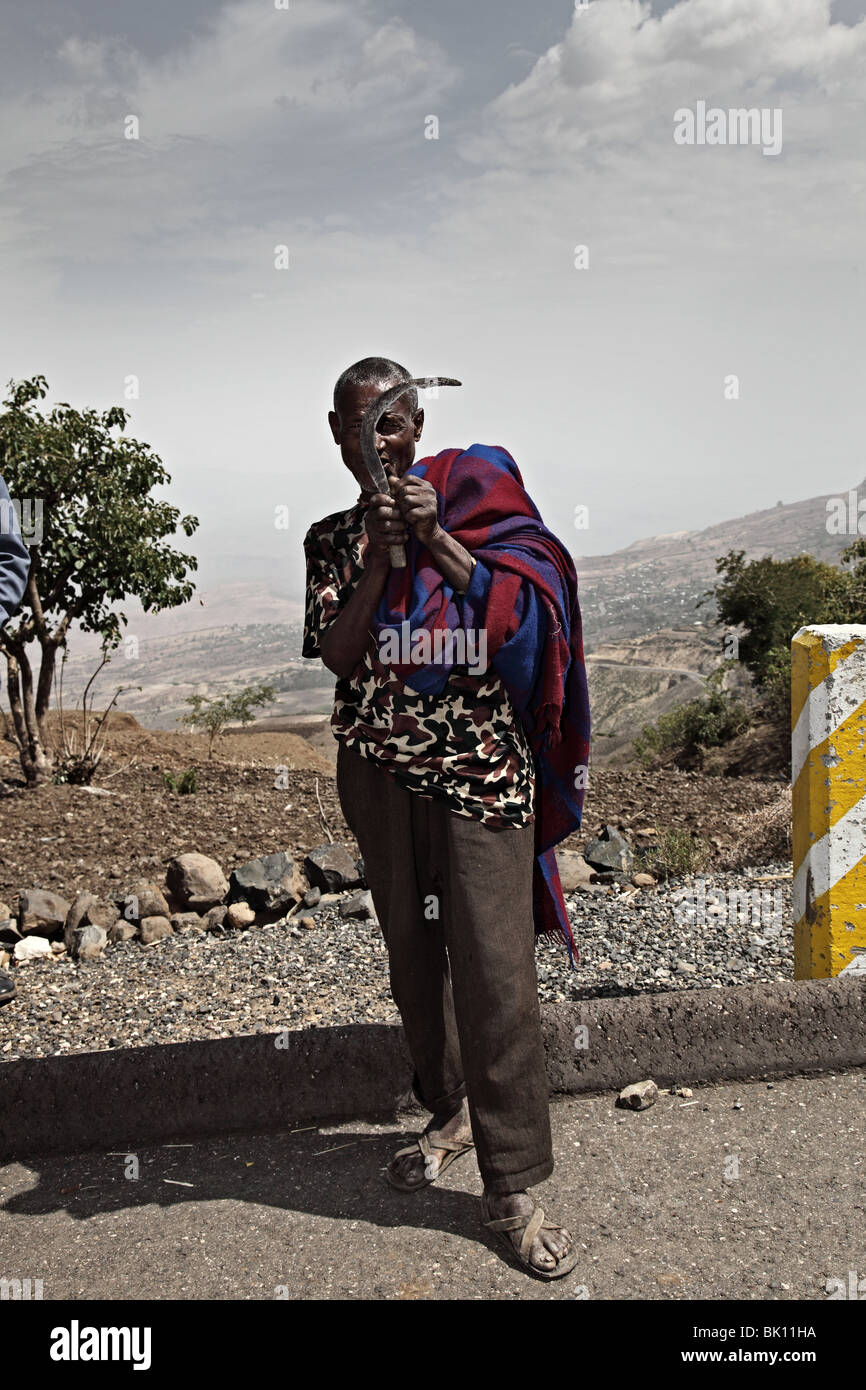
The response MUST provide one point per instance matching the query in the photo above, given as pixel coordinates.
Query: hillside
(657, 582)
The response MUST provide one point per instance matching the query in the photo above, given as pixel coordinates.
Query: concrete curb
(142, 1095)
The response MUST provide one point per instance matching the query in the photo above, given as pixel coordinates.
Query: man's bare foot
(413, 1167)
(549, 1246)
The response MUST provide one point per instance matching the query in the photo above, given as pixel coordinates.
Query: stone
(41, 911)
(154, 929)
(9, 931)
(101, 914)
(685, 967)
(610, 851)
(358, 905)
(196, 881)
(87, 910)
(308, 922)
(215, 918)
(574, 872)
(58, 948)
(239, 915)
(312, 896)
(331, 868)
(643, 880)
(639, 1096)
(185, 921)
(5, 912)
(271, 883)
(32, 947)
(121, 931)
(75, 916)
(144, 899)
(89, 942)
(6, 956)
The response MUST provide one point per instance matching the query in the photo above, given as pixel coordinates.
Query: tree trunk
(44, 686)
(29, 733)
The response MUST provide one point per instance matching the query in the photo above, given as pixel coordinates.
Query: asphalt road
(750, 1191)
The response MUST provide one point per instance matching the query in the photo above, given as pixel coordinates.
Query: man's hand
(384, 525)
(417, 500)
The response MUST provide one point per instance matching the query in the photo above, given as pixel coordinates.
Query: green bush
(776, 685)
(707, 722)
(677, 852)
(187, 784)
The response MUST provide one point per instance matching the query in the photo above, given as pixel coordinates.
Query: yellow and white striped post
(828, 775)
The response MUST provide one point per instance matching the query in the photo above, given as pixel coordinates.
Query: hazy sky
(306, 127)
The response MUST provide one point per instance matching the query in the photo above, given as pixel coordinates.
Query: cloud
(232, 128)
(583, 147)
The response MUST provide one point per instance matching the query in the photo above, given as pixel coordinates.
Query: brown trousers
(454, 899)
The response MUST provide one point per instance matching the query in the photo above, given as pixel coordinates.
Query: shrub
(677, 852)
(707, 722)
(186, 786)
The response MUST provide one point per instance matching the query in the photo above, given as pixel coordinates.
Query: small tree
(770, 599)
(102, 541)
(213, 714)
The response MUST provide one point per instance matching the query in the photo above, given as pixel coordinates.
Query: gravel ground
(223, 984)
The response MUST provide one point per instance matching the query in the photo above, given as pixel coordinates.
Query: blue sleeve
(14, 558)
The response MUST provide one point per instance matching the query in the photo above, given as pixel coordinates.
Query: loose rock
(610, 851)
(154, 928)
(574, 871)
(358, 905)
(101, 914)
(239, 915)
(121, 931)
(639, 1096)
(41, 911)
(185, 921)
(89, 942)
(331, 868)
(31, 947)
(271, 883)
(196, 881)
(144, 899)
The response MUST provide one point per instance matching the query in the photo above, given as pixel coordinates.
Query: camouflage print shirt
(465, 746)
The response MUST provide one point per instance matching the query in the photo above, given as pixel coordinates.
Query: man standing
(14, 570)
(438, 772)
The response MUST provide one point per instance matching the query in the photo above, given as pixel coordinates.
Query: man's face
(396, 434)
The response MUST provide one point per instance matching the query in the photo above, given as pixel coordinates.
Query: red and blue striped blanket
(523, 595)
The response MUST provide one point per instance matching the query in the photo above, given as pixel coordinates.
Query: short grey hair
(371, 370)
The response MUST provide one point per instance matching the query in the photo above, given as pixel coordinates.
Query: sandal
(532, 1224)
(434, 1167)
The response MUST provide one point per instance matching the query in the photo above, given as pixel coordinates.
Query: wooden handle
(398, 556)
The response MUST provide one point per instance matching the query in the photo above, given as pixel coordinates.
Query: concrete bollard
(828, 775)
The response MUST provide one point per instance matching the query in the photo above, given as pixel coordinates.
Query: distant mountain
(657, 583)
